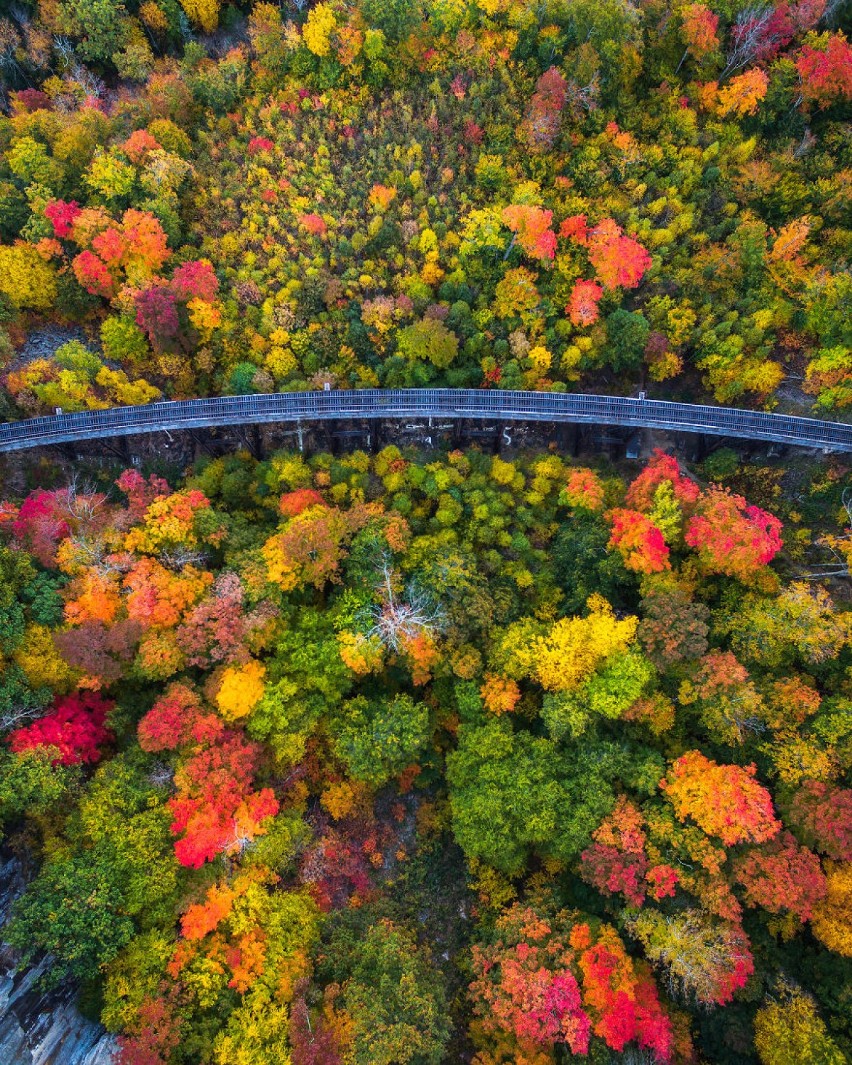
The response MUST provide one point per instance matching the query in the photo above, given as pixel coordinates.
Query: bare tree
(694, 951)
(79, 503)
(10, 42)
(748, 37)
(741, 720)
(93, 85)
(93, 554)
(837, 548)
(580, 98)
(63, 48)
(161, 775)
(237, 843)
(16, 716)
(805, 144)
(178, 557)
(397, 621)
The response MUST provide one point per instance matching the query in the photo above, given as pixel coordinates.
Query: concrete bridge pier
(201, 443)
(458, 432)
(376, 429)
(694, 445)
(119, 446)
(498, 440)
(256, 443)
(568, 437)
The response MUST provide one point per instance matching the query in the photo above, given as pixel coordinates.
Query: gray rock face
(41, 1027)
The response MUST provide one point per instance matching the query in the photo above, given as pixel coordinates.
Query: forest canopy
(252, 198)
(414, 759)
(410, 758)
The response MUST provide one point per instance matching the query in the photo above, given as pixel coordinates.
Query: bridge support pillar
(568, 438)
(576, 439)
(329, 430)
(120, 447)
(458, 432)
(256, 445)
(201, 439)
(694, 445)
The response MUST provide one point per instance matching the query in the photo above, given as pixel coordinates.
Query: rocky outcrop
(40, 1027)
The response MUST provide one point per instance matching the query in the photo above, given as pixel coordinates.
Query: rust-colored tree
(724, 800)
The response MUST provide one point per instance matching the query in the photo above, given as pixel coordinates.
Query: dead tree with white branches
(398, 620)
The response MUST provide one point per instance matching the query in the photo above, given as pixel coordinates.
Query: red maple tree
(781, 875)
(826, 73)
(639, 541)
(75, 727)
(732, 537)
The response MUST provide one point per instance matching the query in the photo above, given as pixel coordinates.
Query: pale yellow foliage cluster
(42, 663)
(572, 650)
(318, 28)
(26, 278)
(576, 647)
(792, 1030)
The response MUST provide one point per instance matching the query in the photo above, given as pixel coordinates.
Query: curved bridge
(493, 405)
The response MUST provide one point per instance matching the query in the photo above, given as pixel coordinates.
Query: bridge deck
(426, 403)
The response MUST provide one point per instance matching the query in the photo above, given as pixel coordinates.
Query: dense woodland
(412, 759)
(499, 193)
(390, 760)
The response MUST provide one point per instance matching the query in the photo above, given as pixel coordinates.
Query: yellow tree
(203, 13)
(790, 1029)
(832, 919)
(562, 658)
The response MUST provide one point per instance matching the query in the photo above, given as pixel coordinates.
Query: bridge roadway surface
(482, 404)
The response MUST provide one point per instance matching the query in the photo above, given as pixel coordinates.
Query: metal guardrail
(425, 403)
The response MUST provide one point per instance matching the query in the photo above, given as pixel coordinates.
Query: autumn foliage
(215, 809)
(352, 753)
(732, 537)
(725, 800)
(826, 72)
(639, 541)
(463, 680)
(550, 980)
(75, 728)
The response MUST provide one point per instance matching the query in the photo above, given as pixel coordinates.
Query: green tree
(30, 783)
(101, 25)
(306, 680)
(378, 738)
(608, 693)
(74, 910)
(393, 993)
(395, 18)
(627, 333)
(583, 566)
(428, 340)
(123, 818)
(512, 794)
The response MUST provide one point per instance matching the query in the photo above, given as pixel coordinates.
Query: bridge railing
(425, 403)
